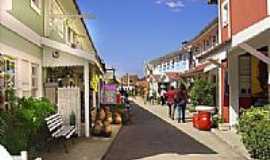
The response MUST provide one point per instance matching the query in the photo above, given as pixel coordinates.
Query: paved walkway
(82, 149)
(154, 136)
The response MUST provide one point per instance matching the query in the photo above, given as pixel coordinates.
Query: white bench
(58, 130)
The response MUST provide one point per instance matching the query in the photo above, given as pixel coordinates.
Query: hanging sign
(108, 95)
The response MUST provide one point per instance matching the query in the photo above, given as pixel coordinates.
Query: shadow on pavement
(149, 136)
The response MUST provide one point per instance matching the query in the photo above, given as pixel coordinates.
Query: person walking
(181, 103)
(170, 100)
(162, 97)
(151, 96)
(145, 95)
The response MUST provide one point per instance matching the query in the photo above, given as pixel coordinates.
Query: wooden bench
(59, 131)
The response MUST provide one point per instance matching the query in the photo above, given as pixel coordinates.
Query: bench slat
(71, 133)
(54, 119)
(57, 129)
(57, 132)
(55, 122)
(53, 127)
(52, 116)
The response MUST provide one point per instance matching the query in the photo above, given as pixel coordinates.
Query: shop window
(225, 13)
(245, 75)
(36, 5)
(7, 79)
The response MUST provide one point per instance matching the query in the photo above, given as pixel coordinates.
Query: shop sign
(108, 94)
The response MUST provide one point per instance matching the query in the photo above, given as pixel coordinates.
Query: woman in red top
(181, 103)
(170, 100)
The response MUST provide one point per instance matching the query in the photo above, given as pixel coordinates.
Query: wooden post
(86, 100)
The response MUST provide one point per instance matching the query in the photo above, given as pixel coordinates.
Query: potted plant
(202, 99)
(202, 93)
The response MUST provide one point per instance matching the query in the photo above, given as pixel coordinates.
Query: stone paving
(153, 136)
(83, 148)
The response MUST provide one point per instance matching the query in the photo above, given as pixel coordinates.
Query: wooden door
(225, 92)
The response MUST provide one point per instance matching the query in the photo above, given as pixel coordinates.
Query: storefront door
(225, 91)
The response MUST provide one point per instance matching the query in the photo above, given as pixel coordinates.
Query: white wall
(233, 69)
(20, 56)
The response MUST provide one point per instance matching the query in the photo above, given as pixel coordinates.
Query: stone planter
(224, 126)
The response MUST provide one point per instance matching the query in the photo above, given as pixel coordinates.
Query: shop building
(248, 58)
(209, 61)
(177, 61)
(244, 72)
(129, 81)
(45, 44)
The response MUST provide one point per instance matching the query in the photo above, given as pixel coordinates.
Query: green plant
(3, 127)
(254, 127)
(215, 121)
(191, 108)
(202, 93)
(25, 125)
(11, 98)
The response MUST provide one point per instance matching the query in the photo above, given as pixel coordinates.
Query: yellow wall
(255, 83)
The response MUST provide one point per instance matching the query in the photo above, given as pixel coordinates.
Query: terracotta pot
(109, 119)
(195, 120)
(101, 114)
(107, 129)
(107, 109)
(204, 122)
(98, 128)
(117, 119)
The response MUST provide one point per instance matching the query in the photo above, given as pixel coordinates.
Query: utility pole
(128, 80)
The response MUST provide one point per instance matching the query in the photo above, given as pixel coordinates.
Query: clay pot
(109, 117)
(204, 122)
(117, 118)
(107, 109)
(107, 129)
(101, 114)
(98, 128)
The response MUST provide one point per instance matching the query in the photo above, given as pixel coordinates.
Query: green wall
(22, 10)
(13, 40)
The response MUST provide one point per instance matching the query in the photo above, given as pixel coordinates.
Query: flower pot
(117, 118)
(98, 128)
(101, 114)
(204, 121)
(107, 130)
(195, 119)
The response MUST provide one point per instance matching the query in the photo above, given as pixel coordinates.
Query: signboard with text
(108, 94)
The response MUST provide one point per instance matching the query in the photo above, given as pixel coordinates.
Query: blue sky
(128, 32)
